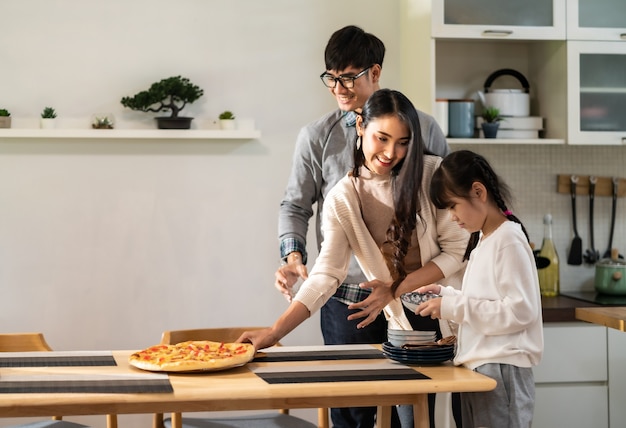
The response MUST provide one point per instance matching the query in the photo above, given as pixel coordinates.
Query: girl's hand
(430, 308)
(373, 305)
(430, 288)
(286, 277)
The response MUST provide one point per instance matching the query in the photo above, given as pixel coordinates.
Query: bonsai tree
(491, 115)
(48, 113)
(173, 94)
(226, 115)
(4, 112)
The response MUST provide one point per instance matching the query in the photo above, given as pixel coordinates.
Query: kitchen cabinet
(617, 377)
(509, 19)
(577, 83)
(596, 92)
(462, 67)
(472, 39)
(572, 379)
(596, 20)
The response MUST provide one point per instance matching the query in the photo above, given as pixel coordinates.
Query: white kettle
(510, 102)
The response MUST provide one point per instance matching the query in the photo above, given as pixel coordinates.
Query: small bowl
(413, 299)
(400, 338)
(412, 335)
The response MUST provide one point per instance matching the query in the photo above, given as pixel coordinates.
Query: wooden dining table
(264, 383)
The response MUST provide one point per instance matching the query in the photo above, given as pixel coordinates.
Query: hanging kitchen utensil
(575, 255)
(607, 253)
(591, 255)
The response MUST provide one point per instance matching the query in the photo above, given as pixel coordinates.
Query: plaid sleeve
(290, 245)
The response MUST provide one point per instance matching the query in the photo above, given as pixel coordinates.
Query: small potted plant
(102, 121)
(48, 116)
(172, 94)
(491, 121)
(5, 118)
(227, 120)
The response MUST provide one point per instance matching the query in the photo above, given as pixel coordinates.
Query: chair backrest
(23, 342)
(225, 334)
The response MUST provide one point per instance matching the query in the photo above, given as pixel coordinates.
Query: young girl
(498, 308)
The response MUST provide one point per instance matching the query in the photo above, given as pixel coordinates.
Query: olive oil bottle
(549, 275)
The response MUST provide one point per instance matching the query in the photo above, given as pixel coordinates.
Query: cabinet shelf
(132, 134)
(509, 141)
(599, 90)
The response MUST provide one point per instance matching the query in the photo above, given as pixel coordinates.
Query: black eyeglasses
(347, 82)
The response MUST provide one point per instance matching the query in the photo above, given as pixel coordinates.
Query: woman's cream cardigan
(441, 241)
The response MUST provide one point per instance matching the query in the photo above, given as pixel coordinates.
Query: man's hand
(288, 274)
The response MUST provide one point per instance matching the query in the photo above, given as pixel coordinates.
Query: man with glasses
(323, 155)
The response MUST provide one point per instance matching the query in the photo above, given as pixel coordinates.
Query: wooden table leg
(420, 411)
(177, 420)
(383, 417)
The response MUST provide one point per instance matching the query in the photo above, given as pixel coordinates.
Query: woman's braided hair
(455, 176)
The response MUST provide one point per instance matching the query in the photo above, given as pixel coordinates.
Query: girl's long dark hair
(406, 176)
(455, 176)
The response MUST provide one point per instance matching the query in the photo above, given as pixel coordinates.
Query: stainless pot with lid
(611, 275)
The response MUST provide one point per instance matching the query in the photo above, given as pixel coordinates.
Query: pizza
(193, 356)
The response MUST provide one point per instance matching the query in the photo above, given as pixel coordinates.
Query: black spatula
(575, 255)
(607, 253)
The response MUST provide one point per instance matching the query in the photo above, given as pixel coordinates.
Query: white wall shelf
(134, 134)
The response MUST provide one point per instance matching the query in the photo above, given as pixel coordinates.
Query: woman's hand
(373, 305)
(259, 338)
(287, 275)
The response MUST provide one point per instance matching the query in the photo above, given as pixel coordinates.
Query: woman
(381, 213)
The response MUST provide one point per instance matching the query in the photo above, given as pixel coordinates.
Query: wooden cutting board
(614, 317)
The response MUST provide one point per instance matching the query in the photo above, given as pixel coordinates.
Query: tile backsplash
(531, 172)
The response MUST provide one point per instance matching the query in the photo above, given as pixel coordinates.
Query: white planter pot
(228, 124)
(47, 123)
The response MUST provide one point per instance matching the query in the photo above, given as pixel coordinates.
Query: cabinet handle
(497, 33)
(622, 36)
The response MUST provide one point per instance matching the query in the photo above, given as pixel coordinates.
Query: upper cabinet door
(596, 92)
(499, 19)
(596, 20)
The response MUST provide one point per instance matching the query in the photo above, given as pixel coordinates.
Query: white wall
(104, 244)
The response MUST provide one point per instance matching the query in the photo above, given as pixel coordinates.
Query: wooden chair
(270, 420)
(32, 342)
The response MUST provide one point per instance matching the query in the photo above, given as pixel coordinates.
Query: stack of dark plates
(419, 354)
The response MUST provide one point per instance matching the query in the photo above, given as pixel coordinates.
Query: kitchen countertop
(614, 317)
(562, 308)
